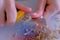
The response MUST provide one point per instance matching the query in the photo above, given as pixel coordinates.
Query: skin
(9, 6)
(40, 9)
(52, 8)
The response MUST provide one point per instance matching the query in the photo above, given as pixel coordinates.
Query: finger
(11, 12)
(50, 11)
(1, 12)
(58, 12)
(37, 14)
(1, 18)
(22, 7)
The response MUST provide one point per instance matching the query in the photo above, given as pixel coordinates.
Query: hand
(9, 6)
(52, 8)
(40, 9)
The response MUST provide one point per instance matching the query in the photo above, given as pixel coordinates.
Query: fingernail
(30, 9)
